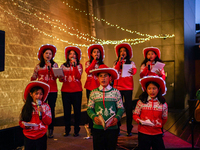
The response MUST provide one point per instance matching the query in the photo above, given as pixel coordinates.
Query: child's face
(47, 55)
(96, 53)
(152, 90)
(104, 79)
(151, 55)
(37, 95)
(72, 55)
(123, 52)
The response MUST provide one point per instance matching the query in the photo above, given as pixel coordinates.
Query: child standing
(35, 116)
(125, 84)
(151, 113)
(96, 56)
(43, 72)
(72, 88)
(105, 100)
(151, 55)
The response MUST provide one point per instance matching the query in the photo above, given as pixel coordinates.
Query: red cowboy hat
(32, 84)
(156, 79)
(74, 48)
(154, 49)
(97, 46)
(105, 69)
(44, 47)
(126, 45)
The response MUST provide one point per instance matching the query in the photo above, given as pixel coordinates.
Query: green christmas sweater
(113, 105)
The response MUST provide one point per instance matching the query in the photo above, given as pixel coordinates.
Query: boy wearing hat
(105, 101)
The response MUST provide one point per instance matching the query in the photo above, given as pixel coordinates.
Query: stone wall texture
(28, 24)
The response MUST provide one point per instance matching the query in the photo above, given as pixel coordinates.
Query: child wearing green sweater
(105, 101)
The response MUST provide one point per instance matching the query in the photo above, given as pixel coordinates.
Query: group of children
(104, 99)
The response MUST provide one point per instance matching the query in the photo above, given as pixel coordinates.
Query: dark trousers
(127, 94)
(105, 139)
(145, 142)
(51, 100)
(38, 144)
(89, 120)
(75, 100)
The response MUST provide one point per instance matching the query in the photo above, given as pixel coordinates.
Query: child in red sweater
(72, 88)
(96, 56)
(43, 72)
(125, 83)
(151, 55)
(35, 116)
(151, 113)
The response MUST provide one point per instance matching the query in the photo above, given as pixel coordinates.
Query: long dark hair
(67, 63)
(143, 97)
(100, 60)
(128, 61)
(27, 109)
(146, 60)
(42, 61)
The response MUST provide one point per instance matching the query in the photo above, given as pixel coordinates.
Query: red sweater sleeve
(144, 72)
(117, 66)
(91, 66)
(77, 71)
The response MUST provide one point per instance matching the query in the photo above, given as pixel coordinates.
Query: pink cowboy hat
(97, 46)
(74, 48)
(156, 79)
(154, 49)
(126, 45)
(32, 84)
(44, 47)
(105, 69)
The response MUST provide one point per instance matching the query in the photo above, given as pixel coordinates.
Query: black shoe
(50, 135)
(129, 134)
(65, 134)
(75, 134)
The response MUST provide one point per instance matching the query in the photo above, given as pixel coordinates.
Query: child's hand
(40, 109)
(158, 72)
(130, 71)
(61, 77)
(114, 122)
(97, 121)
(148, 63)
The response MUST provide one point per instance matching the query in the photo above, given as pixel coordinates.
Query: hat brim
(156, 79)
(74, 48)
(32, 84)
(154, 49)
(127, 46)
(44, 47)
(97, 46)
(111, 71)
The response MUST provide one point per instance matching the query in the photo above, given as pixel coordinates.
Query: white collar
(149, 98)
(106, 88)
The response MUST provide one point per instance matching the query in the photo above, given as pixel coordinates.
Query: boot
(50, 135)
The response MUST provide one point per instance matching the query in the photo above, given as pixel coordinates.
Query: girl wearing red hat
(151, 113)
(96, 56)
(72, 88)
(151, 55)
(43, 72)
(35, 116)
(125, 84)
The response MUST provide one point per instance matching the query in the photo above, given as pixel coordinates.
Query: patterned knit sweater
(113, 105)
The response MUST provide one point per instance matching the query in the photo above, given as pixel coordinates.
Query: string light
(95, 40)
(119, 27)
